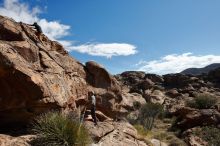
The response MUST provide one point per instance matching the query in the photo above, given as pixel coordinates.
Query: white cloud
(104, 49)
(22, 12)
(56, 31)
(176, 63)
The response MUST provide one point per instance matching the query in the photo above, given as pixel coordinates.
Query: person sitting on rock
(93, 107)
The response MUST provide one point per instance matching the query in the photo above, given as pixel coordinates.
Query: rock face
(173, 91)
(156, 142)
(100, 78)
(129, 99)
(189, 118)
(114, 134)
(6, 140)
(37, 75)
(155, 97)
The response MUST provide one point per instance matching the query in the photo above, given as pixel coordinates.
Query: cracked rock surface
(114, 134)
(38, 74)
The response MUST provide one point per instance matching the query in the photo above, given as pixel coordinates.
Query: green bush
(132, 118)
(140, 129)
(136, 105)
(57, 129)
(161, 136)
(174, 128)
(210, 134)
(177, 142)
(203, 101)
(148, 113)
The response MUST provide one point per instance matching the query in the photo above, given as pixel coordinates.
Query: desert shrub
(136, 105)
(202, 101)
(210, 134)
(161, 135)
(143, 134)
(148, 113)
(132, 118)
(163, 114)
(167, 121)
(169, 137)
(56, 129)
(177, 142)
(140, 129)
(174, 126)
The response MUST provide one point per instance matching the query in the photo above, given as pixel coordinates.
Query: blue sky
(158, 36)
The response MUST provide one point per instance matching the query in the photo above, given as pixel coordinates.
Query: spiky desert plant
(57, 129)
(148, 113)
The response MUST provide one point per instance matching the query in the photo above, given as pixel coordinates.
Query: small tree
(148, 113)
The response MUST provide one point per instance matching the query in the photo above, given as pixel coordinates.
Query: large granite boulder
(100, 78)
(131, 77)
(155, 96)
(190, 118)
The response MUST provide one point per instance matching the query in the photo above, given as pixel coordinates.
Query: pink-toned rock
(173, 93)
(156, 96)
(37, 75)
(156, 142)
(196, 141)
(128, 100)
(6, 140)
(114, 134)
(189, 117)
(100, 78)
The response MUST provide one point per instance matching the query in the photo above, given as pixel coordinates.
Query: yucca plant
(57, 129)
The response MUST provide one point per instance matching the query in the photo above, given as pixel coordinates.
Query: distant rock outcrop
(199, 71)
(174, 91)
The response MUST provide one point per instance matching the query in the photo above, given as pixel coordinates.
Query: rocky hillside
(37, 76)
(174, 91)
(199, 71)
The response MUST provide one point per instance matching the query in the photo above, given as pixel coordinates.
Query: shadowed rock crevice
(6, 33)
(19, 97)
